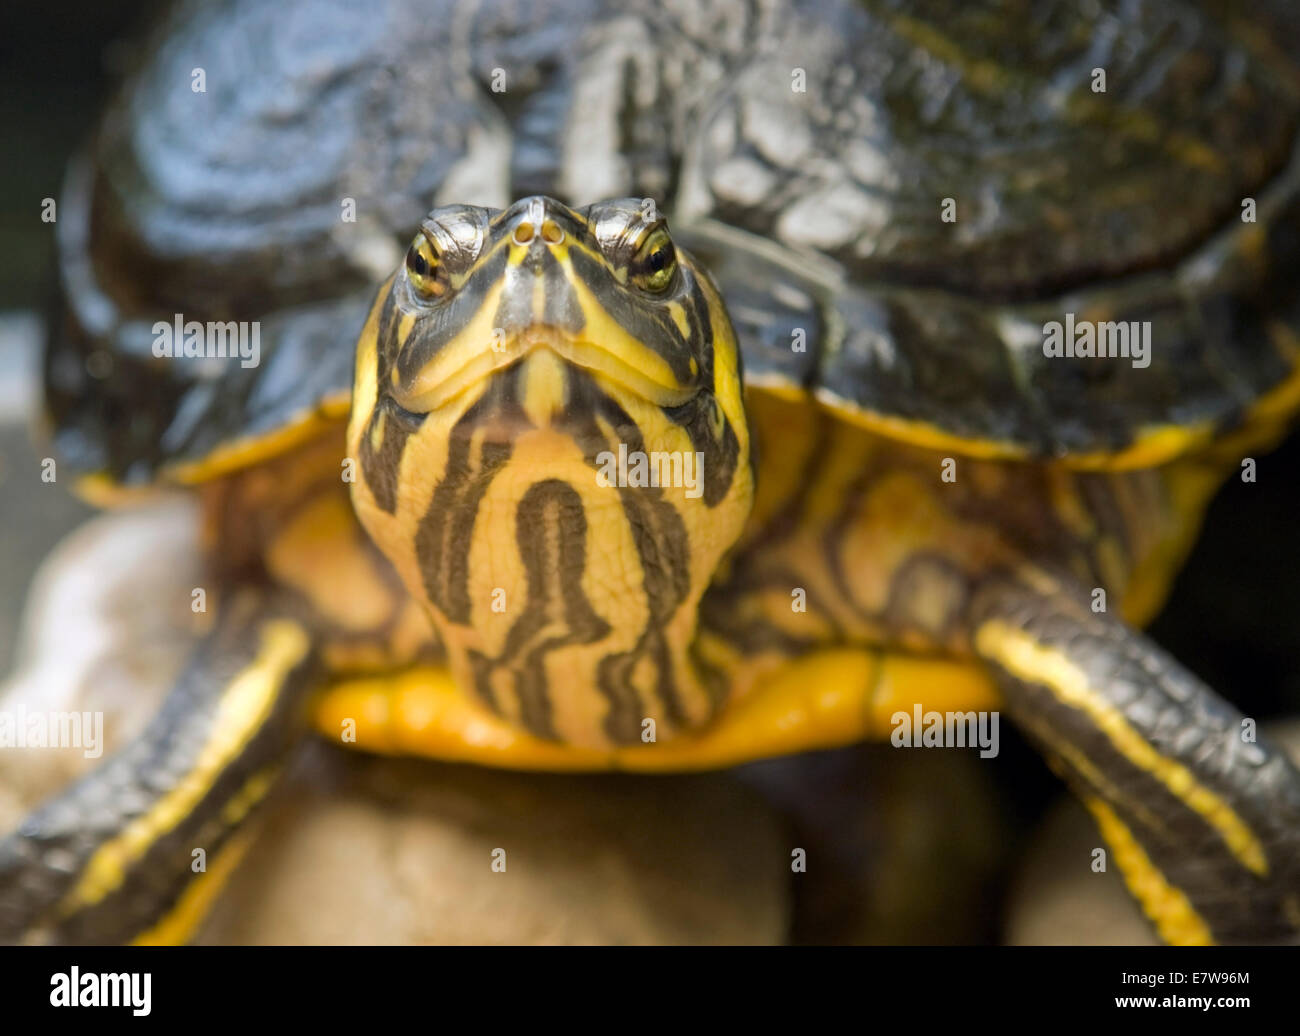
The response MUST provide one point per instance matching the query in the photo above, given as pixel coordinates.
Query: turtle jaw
(623, 369)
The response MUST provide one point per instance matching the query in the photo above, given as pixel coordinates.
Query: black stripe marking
(441, 544)
(663, 551)
(381, 467)
(551, 533)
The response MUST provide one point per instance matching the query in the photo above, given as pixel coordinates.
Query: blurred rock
(401, 851)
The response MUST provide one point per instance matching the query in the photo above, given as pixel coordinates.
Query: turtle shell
(899, 200)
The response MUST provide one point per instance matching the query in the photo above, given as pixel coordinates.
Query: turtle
(906, 420)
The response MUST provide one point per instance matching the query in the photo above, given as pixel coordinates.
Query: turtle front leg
(113, 858)
(1203, 821)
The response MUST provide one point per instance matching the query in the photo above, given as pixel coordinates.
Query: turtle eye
(655, 263)
(425, 269)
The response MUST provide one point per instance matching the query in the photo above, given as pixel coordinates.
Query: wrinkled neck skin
(561, 530)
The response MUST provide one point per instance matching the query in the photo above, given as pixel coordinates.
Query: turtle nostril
(523, 233)
(552, 232)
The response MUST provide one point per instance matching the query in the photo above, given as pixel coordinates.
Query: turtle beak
(538, 290)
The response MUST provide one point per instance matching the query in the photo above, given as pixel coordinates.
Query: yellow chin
(645, 374)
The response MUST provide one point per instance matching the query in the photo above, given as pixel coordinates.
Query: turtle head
(549, 428)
